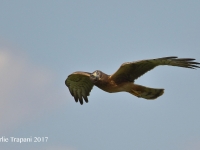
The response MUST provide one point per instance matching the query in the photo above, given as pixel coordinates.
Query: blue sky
(42, 42)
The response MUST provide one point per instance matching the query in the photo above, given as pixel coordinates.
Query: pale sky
(42, 42)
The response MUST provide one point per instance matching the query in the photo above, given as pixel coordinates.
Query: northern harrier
(81, 83)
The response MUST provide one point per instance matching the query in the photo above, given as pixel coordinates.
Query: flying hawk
(81, 83)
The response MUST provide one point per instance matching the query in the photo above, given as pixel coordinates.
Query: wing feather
(130, 71)
(79, 85)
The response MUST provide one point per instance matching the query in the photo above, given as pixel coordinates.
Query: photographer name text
(20, 140)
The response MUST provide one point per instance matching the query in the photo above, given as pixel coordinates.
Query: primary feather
(79, 85)
(132, 70)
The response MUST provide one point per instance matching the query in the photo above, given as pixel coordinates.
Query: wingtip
(170, 57)
(76, 99)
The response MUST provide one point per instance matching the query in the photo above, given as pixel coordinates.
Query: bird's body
(81, 83)
(107, 84)
(111, 86)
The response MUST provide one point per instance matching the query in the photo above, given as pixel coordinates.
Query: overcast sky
(42, 42)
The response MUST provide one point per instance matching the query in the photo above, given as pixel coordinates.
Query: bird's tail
(146, 92)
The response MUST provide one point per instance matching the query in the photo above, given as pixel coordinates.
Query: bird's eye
(99, 74)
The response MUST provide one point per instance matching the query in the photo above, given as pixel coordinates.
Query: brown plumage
(81, 83)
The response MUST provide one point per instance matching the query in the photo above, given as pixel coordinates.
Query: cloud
(27, 90)
(192, 145)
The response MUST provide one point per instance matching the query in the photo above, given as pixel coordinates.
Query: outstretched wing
(79, 85)
(132, 70)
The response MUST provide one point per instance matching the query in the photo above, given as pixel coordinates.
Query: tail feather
(146, 92)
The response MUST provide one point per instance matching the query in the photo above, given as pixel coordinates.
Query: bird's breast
(112, 87)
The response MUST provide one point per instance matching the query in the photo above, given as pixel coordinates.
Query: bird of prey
(81, 83)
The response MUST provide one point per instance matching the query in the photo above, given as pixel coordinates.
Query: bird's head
(96, 76)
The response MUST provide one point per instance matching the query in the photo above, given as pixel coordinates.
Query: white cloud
(26, 90)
